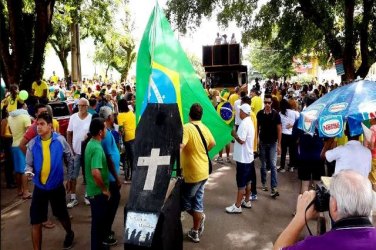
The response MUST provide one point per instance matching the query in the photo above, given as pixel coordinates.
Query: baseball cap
(245, 108)
(105, 112)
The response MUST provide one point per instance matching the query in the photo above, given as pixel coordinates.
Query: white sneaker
(291, 170)
(219, 159)
(246, 204)
(87, 202)
(233, 209)
(282, 170)
(72, 203)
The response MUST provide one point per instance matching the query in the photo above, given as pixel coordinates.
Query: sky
(141, 10)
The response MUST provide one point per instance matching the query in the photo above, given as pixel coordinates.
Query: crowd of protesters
(101, 134)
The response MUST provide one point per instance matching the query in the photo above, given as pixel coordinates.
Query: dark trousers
(6, 144)
(113, 204)
(253, 179)
(99, 214)
(129, 156)
(287, 142)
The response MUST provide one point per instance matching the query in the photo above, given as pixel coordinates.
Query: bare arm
(69, 139)
(290, 235)
(99, 181)
(22, 145)
(279, 134)
(236, 137)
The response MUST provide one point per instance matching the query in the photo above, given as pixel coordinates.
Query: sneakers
(253, 197)
(202, 224)
(264, 188)
(72, 203)
(233, 209)
(291, 169)
(219, 159)
(274, 193)
(194, 236)
(228, 160)
(68, 242)
(282, 170)
(110, 240)
(246, 204)
(87, 202)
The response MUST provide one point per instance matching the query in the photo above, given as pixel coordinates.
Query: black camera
(322, 198)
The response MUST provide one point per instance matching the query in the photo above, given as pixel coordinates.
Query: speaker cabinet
(207, 56)
(234, 53)
(220, 54)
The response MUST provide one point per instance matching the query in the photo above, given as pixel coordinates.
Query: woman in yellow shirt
(126, 120)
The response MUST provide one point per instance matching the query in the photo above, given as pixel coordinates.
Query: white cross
(152, 162)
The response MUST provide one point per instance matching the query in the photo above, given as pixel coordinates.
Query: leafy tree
(24, 28)
(327, 29)
(197, 65)
(93, 17)
(118, 49)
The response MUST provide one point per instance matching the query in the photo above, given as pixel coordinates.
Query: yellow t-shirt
(194, 160)
(254, 121)
(12, 103)
(256, 104)
(128, 121)
(38, 89)
(55, 126)
(46, 165)
(232, 99)
(54, 78)
(18, 126)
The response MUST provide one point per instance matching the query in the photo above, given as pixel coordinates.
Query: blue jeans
(268, 155)
(193, 196)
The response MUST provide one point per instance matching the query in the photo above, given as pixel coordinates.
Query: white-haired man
(350, 205)
(78, 128)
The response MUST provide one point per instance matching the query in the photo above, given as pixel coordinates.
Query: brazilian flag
(165, 75)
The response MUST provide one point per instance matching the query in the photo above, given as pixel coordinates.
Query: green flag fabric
(165, 75)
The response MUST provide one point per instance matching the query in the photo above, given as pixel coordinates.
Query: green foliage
(197, 65)
(94, 19)
(320, 28)
(117, 51)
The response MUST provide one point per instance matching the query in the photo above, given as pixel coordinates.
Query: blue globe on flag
(225, 111)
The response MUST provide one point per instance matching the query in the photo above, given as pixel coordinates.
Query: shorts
(311, 170)
(19, 160)
(39, 204)
(243, 174)
(193, 196)
(75, 171)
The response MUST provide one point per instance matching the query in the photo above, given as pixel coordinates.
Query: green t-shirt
(95, 159)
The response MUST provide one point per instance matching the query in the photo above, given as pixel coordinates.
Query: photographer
(350, 205)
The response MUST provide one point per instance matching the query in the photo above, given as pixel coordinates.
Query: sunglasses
(268, 102)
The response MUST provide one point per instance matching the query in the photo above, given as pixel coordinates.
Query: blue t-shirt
(110, 148)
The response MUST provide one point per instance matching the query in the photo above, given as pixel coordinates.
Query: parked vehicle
(61, 113)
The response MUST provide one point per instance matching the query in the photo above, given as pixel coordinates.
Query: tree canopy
(326, 29)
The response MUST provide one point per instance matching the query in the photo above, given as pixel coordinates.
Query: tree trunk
(349, 47)
(63, 55)
(23, 39)
(364, 38)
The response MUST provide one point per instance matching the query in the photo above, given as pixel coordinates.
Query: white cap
(245, 108)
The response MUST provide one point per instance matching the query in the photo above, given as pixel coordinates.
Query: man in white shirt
(353, 155)
(78, 128)
(243, 155)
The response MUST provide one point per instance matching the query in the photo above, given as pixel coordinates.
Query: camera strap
(305, 217)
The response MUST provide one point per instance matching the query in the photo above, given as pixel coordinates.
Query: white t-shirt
(80, 128)
(353, 155)
(244, 152)
(289, 118)
(237, 111)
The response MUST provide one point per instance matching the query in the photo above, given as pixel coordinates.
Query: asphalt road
(256, 228)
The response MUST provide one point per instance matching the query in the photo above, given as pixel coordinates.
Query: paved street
(256, 228)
